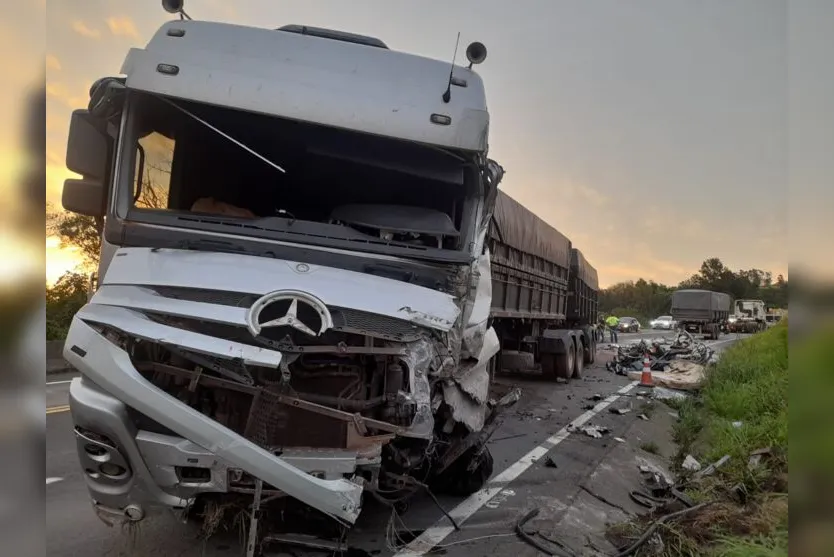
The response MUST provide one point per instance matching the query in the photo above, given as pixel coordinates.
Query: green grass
(650, 447)
(748, 385)
(771, 545)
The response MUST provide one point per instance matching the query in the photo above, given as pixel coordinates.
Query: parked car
(629, 325)
(663, 322)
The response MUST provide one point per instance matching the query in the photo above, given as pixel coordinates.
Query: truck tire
(591, 351)
(459, 481)
(565, 363)
(579, 360)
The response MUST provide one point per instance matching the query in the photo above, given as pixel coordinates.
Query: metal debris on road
(689, 463)
(594, 431)
(643, 417)
(621, 411)
(550, 463)
(662, 352)
(662, 393)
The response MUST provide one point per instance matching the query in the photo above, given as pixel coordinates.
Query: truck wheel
(591, 351)
(461, 481)
(565, 363)
(579, 361)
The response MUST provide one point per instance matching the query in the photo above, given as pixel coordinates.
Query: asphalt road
(529, 430)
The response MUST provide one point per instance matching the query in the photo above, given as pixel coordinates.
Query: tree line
(646, 300)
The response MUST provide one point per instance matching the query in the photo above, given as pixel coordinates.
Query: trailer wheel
(565, 363)
(579, 361)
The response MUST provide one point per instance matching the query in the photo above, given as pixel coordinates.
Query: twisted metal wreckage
(662, 352)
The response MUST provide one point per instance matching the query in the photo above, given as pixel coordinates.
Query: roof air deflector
(333, 35)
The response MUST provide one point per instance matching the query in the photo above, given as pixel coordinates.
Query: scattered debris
(589, 407)
(689, 463)
(596, 397)
(594, 431)
(680, 375)
(664, 354)
(756, 458)
(619, 440)
(550, 463)
(517, 435)
(621, 411)
(662, 393)
(709, 470)
(643, 417)
(738, 424)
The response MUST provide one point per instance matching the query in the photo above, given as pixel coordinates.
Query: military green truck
(701, 311)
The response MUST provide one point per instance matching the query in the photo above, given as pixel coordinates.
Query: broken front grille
(273, 425)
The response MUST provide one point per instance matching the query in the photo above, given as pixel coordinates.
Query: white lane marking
(59, 382)
(53, 480)
(430, 538)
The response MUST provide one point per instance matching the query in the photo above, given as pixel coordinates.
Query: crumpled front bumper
(110, 367)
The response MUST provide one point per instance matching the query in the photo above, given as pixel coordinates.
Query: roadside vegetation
(741, 412)
(646, 299)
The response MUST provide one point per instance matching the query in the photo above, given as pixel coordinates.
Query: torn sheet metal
(418, 360)
(464, 408)
(110, 367)
(473, 376)
(134, 323)
(477, 309)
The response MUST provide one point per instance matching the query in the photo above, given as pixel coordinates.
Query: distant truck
(749, 316)
(701, 311)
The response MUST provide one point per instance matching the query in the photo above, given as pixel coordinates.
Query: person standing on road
(612, 322)
(601, 329)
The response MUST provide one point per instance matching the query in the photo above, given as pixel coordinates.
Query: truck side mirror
(88, 147)
(84, 196)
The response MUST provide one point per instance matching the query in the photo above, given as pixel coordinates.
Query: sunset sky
(653, 134)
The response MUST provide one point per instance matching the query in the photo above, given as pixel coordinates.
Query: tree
(647, 299)
(76, 230)
(85, 232)
(63, 300)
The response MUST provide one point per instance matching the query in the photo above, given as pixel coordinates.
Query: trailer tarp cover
(700, 300)
(518, 227)
(584, 270)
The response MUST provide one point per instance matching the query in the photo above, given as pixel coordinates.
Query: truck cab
(294, 285)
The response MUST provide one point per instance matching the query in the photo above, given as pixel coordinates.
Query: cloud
(82, 29)
(583, 193)
(122, 26)
(60, 92)
(52, 62)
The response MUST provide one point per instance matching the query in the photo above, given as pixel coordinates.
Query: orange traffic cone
(646, 377)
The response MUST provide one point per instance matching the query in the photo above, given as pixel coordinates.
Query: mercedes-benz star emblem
(289, 317)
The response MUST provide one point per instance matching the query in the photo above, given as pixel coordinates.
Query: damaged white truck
(295, 290)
